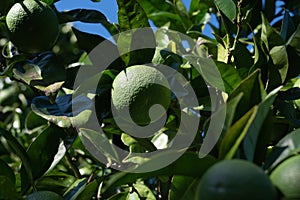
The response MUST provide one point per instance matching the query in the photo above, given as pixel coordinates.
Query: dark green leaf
(135, 46)
(87, 16)
(208, 70)
(183, 187)
(230, 76)
(87, 41)
(44, 194)
(269, 36)
(75, 189)
(287, 27)
(56, 180)
(41, 154)
(235, 135)
(20, 151)
(7, 172)
(253, 93)
(131, 15)
(290, 145)
(100, 144)
(89, 191)
(280, 60)
(162, 13)
(293, 49)
(7, 189)
(185, 166)
(34, 121)
(228, 7)
(253, 131)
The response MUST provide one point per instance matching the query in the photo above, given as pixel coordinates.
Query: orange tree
(47, 149)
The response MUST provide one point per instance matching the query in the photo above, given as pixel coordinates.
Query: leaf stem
(72, 165)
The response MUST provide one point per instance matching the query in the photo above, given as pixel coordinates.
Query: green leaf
(235, 135)
(49, 2)
(269, 36)
(34, 121)
(290, 145)
(87, 41)
(88, 192)
(44, 194)
(60, 112)
(242, 57)
(7, 189)
(125, 195)
(185, 166)
(143, 191)
(56, 180)
(39, 71)
(253, 93)
(183, 187)
(280, 60)
(208, 70)
(247, 130)
(253, 132)
(20, 151)
(228, 7)
(7, 171)
(293, 49)
(41, 154)
(30, 72)
(131, 15)
(230, 76)
(75, 189)
(87, 16)
(136, 46)
(100, 144)
(163, 13)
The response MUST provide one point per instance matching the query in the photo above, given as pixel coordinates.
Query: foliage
(255, 46)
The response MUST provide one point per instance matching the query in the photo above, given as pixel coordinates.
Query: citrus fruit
(136, 89)
(33, 26)
(5, 6)
(235, 180)
(286, 177)
(44, 195)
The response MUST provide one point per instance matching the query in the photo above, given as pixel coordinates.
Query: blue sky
(107, 7)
